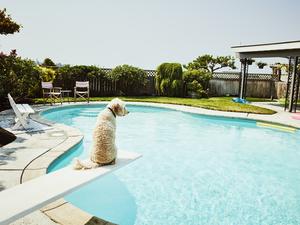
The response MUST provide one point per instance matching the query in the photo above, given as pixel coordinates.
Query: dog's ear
(116, 107)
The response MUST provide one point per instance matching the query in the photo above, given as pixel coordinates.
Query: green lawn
(260, 99)
(217, 103)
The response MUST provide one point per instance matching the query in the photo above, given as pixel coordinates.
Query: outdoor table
(64, 92)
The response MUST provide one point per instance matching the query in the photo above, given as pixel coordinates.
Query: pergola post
(297, 86)
(288, 84)
(288, 49)
(294, 87)
(243, 79)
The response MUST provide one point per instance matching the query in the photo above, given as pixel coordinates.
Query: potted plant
(248, 61)
(261, 65)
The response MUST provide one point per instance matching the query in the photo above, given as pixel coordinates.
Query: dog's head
(118, 106)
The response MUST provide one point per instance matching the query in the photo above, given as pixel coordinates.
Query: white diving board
(32, 195)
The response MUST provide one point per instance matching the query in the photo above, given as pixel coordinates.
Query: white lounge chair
(82, 89)
(22, 112)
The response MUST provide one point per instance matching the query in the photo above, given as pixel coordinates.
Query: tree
(48, 63)
(168, 79)
(7, 25)
(211, 63)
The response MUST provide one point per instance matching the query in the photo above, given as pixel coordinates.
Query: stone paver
(281, 116)
(17, 155)
(35, 218)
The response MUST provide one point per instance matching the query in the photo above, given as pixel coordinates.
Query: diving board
(32, 195)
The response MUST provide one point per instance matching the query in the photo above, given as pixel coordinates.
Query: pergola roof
(278, 49)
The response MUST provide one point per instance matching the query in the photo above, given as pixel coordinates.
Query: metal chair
(82, 90)
(50, 92)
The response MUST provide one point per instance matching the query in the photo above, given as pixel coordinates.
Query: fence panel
(236, 76)
(222, 83)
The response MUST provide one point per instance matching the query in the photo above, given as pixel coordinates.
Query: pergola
(289, 50)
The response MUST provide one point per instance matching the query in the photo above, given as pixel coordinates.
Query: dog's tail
(82, 165)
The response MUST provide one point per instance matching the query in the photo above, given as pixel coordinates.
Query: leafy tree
(210, 63)
(7, 25)
(168, 79)
(129, 79)
(48, 63)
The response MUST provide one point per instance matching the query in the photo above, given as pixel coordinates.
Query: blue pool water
(194, 170)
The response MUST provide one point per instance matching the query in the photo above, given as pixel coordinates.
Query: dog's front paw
(113, 162)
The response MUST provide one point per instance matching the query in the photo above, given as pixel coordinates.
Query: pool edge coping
(267, 118)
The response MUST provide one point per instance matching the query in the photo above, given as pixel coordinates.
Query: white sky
(145, 33)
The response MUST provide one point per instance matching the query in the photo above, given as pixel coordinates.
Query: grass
(260, 99)
(216, 103)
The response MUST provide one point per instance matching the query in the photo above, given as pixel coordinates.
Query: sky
(145, 33)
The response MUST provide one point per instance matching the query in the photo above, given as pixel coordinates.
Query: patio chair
(50, 92)
(82, 90)
(22, 112)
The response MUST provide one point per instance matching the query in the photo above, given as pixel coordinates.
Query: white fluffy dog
(104, 150)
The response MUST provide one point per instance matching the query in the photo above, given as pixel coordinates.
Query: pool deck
(31, 153)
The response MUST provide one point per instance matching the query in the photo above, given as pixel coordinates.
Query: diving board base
(32, 195)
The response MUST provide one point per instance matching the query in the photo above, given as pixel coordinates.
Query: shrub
(168, 79)
(196, 82)
(129, 79)
(20, 77)
(47, 74)
(67, 75)
(7, 76)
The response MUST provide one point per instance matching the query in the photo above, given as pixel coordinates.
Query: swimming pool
(195, 169)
